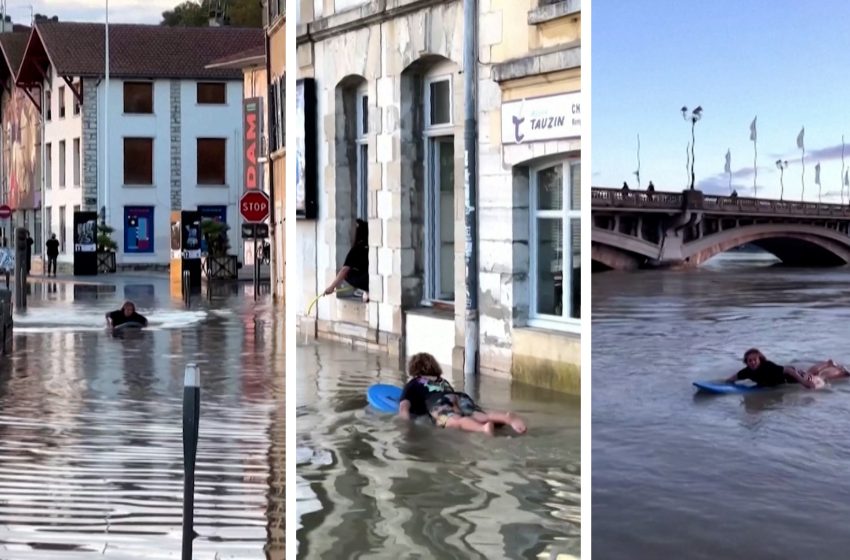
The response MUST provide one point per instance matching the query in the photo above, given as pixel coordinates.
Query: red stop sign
(254, 206)
(5, 212)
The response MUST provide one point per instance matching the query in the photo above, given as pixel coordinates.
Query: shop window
(138, 161)
(138, 97)
(555, 244)
(138, 229)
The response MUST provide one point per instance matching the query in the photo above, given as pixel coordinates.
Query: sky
(785, 62)
(123, 11)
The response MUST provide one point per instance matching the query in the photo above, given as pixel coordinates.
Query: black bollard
(21, 268)
(191, 415)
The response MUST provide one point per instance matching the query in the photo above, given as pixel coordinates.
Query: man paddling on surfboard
(428, 393)
(127, 314)
(768, 374)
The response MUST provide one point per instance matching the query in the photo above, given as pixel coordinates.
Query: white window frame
(563, 322)
(361, 140)
(433, 134)
(63, 160)
(76, 156)
(49, 165)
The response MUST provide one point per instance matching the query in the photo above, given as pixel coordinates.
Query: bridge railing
(618, 198)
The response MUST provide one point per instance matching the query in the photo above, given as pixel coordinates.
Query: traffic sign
(5, 212)
(254, 206)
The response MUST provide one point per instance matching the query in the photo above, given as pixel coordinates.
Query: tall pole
(470, 133)
(191, 416)
(693, 141)
(42, 185)
(106, 125)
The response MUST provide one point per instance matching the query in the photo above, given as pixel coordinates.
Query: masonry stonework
(176, 168)
(90, 174)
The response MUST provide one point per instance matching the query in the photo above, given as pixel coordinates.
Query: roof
(135, 51)
(251, 57)
(12, 46)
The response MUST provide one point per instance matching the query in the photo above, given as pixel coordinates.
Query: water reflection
(371, 486)
(90, 427)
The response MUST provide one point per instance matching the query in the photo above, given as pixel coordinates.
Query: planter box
(220, 268)
(106, 262)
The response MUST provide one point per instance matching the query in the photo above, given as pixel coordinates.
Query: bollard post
(191, 415)
(187, 287)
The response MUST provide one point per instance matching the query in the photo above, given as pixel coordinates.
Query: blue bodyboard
(720, 388)
(384, 398)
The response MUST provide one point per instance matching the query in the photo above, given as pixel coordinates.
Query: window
(361, 195)
(439, 190)
(61, 164)
(76, 162)
(49, 104)
(138, 161)
(138, 229)
(38, 242)
(277, 122)
(138, 97)
(62, 228)
(555, 244)
(62, 102)
(49, 165)
(211, 161)
(48, 215)
(77, 101)
(211, 93)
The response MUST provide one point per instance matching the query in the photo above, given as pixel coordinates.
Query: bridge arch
(793, 244)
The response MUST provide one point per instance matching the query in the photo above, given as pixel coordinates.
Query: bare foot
(517, 424)
(488, 428)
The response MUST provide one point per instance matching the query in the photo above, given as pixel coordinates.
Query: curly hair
(755, 351)
(423, 364)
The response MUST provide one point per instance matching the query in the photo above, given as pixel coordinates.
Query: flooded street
(91, 457)
(753, 477)
(373, 486)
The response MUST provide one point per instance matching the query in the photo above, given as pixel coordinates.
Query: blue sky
(784, 61)
(124, 11)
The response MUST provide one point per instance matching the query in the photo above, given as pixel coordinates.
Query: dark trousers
(51, 265)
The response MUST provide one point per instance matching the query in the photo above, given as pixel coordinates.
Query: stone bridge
(633, 229)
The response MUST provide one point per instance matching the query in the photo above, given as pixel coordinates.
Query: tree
(187, 14)
(195, 13)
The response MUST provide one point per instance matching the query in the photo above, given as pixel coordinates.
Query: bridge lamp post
(695, 115)
(781, 165)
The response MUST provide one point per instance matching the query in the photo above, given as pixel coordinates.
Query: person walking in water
(52, 254)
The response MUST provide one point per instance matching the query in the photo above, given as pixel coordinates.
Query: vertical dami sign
(252, 126)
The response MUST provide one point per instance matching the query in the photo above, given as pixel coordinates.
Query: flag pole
(842, 170)
(754, 138)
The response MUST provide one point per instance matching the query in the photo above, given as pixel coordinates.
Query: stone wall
(89, 116)
(176, 168)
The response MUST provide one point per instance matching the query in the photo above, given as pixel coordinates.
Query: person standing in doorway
(52, 254)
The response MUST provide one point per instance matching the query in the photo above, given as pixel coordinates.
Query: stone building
(385, 80)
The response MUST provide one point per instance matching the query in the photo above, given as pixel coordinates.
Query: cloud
(120, 11)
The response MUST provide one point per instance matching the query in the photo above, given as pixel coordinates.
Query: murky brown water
(371, 486)
(91, 459)
(761, 476)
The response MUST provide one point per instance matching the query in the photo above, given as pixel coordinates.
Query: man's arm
(108, 319)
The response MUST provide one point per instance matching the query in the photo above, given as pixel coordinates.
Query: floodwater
(373, 486)
(761, 476)
(91, 458)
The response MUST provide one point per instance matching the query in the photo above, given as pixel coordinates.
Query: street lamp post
(695, 115)
(781, 165)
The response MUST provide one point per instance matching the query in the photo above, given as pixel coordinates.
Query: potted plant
(217, 262)
(106, 248)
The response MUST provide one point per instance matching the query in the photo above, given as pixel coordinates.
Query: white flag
(753, 129)
(800, 138)
(728, 168)
(817, 174)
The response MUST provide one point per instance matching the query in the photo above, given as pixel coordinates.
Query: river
(91, 460)
(676, 475)
(372, 486)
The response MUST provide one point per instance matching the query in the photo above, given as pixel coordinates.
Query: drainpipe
(470, 134)
(273, 230)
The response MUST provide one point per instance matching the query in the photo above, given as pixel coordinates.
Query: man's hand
(404, 409)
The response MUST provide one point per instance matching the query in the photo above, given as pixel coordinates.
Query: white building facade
(163, 140)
